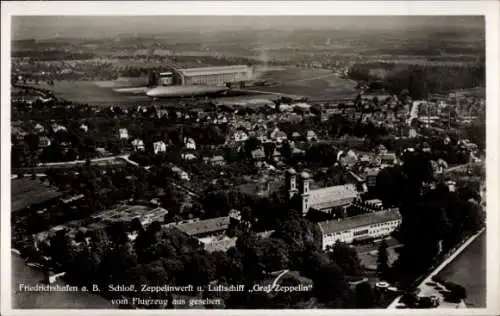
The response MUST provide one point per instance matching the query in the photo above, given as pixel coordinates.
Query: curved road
(428, 290)
(40, 168)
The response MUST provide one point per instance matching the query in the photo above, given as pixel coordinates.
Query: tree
(346, 257)
(329, 285)
(248, 245)
(298, 234)
(313, 260)
(383, 259)
(365, 297)
(286, 150)
(251, 144)
(274, 254)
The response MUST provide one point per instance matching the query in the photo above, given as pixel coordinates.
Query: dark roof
(26, 192)
(258, 154)
(204, 226)
(332, 203)
(359, 221)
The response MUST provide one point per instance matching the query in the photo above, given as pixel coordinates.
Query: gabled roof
(258, 153)
(332, 195)
(348, 223)
(204, 226)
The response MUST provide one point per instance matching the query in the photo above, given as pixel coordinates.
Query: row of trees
(159, 257)
(421, 80)
(447, 216)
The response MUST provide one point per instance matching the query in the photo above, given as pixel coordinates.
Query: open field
(313, 83)
(26, 192)
(89, 92)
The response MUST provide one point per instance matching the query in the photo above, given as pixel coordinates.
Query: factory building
(216, 76)
(206, 76)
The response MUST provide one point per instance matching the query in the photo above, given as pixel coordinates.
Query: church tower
(291, 182)
(305, 180)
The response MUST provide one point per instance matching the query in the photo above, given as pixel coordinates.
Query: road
(276, 280)
(119, 159)
(42, 167)
(427, 289)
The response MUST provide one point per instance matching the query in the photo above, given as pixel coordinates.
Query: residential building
(359, 228)
(57, 127)
(205, 228)
(388, 159)
(240, 136)
(278, 135)
(138, 144)
(84, 127)
(159, 147)
(188, 156)
(39, 128)
(123, 133)
(189, 143)
(44, 141)
(258, 154)
(215, 160)
(371, 177)
(311, 136)
(183, 175)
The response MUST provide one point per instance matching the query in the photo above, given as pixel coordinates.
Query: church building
(324, 199)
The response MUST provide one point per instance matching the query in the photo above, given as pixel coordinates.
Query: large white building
(357, 228)
(209, 76)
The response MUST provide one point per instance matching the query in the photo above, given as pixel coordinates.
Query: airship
(190, 82)
(193, 82)
(185, 91)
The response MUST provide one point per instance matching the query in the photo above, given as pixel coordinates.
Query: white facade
(217, 76)
(123, 132)
(375, 230)
(159, 147)
(138, 144)
(190, 143)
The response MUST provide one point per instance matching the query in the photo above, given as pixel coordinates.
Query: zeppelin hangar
(206, 76)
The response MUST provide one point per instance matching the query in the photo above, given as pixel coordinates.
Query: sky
(43, 27)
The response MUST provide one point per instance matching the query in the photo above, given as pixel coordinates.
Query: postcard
(250, 157)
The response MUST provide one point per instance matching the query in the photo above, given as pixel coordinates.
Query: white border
(490, 9)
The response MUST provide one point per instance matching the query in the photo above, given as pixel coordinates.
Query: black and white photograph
(170, 160)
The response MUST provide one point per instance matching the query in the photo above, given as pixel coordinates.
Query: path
(428, 290)
(276, 280)
(112, 159)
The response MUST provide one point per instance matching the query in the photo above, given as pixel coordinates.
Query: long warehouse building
(209, 76)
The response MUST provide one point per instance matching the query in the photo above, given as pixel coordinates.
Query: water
(48, 300)
(469, 270)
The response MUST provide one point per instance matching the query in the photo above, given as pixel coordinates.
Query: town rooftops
(388, 157)
(211, 225)
(258, 154)
(333, 196)
(373, 172)
(359, 221)
(26, 192)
